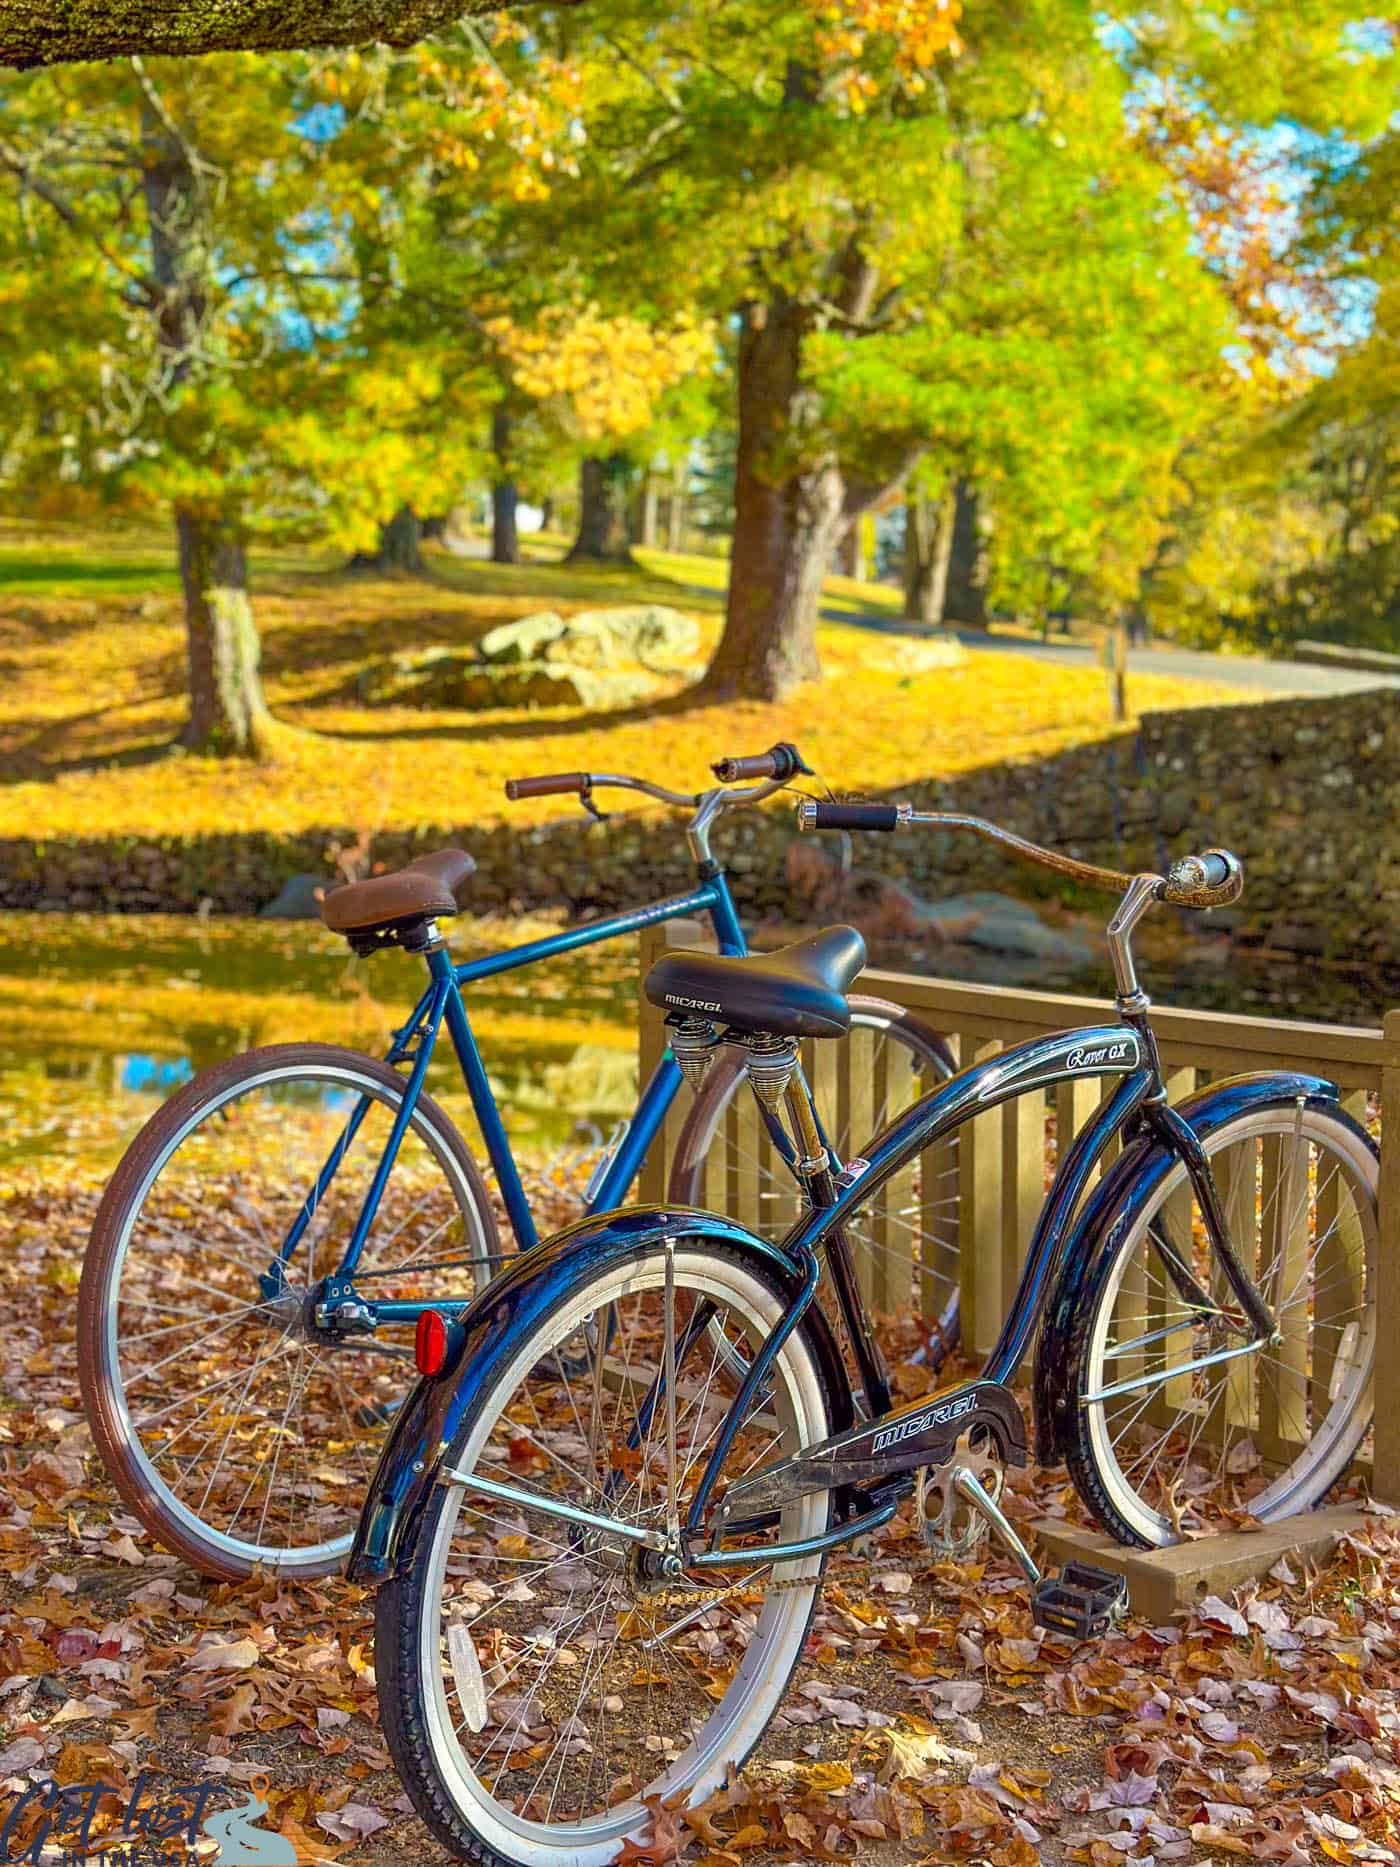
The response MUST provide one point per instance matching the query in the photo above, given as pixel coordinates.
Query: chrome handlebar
(1213, 879)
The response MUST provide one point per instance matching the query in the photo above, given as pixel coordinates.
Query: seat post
(815, 1160)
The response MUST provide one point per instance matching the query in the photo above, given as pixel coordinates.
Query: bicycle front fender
(1110, 1211)
(485, 1338)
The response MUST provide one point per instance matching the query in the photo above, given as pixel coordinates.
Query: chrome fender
(1112, 1208)
(487, 1334)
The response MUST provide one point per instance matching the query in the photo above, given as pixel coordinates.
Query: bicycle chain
(707, 1597)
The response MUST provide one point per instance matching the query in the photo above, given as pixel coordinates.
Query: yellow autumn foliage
(606, 373)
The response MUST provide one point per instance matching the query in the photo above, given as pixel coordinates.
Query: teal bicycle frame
(443, 1003)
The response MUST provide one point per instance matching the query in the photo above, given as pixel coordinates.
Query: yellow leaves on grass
(608, 373)
(97, 690)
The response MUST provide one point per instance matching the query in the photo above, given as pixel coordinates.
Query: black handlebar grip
(1213, 879)
(551, 784)
(812, 816)
(782, 761)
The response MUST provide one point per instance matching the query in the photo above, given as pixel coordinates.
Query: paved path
(1276, 677)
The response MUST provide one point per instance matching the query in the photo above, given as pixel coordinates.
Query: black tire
(100, 1299)
(407, 1610)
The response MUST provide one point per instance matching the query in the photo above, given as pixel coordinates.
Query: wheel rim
(906, 1246)
(506, 1688)
(254, 1439)
(1270, 1431)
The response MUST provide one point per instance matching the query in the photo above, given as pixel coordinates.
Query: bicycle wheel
(1168, 1440)
(906, 1243)
(540, 1691)
(238, 1431)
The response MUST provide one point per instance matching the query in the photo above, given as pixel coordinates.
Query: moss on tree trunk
(41, 32)
(227, 711)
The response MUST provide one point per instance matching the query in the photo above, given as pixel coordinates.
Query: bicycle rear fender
(1111, 1209)
(488, 1333)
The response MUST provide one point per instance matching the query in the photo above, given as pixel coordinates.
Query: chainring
(953, 1529)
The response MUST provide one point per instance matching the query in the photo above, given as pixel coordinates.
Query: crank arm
(976, 1494)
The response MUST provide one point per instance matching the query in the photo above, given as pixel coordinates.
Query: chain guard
(953, 1529)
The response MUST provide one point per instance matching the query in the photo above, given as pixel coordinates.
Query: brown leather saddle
(394, 909)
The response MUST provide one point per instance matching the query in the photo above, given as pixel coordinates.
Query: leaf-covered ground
(929, 1721)
(92, 645)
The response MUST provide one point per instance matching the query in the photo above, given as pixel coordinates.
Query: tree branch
(40, 32)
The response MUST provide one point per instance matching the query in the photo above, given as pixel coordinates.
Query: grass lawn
(92, 648)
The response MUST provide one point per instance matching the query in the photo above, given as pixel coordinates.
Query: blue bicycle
(283, 1230)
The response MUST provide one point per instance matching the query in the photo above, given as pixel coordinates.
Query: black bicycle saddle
(799, 991)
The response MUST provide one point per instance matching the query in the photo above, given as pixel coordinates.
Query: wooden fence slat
(1283, 1371)
(980, 1193)
(939, 1218)
(1338, 1273)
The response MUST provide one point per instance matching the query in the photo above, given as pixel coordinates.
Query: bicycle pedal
(1080, 1600)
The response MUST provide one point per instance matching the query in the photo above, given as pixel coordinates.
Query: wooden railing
(979, 1195)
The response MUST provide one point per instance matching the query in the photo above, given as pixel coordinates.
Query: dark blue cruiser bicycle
(602, 1518)
(277, 1230)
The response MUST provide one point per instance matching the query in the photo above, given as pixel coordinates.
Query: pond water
(101, 1017)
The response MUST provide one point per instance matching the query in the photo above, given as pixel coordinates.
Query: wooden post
(1118, 679)
(1386, 1476)
(981, 1191)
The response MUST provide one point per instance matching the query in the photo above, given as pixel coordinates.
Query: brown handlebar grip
(1213, 879)
(549, 784)
(780, 761)
(736, 770)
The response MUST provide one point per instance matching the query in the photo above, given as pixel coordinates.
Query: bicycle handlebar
(1211, 880)
(773, 768)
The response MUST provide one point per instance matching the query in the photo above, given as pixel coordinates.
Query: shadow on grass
(534, 725)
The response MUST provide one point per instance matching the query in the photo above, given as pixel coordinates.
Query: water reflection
(103, 1017)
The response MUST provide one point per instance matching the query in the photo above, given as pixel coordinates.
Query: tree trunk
(648, 514)
(505, 538)
(397, 549)
(965, 599)
(675, 518)
(850, 554)
(228, 714)
(398, 542)
(928, 544)
(602, 520)
(227, 711)
(786, 525)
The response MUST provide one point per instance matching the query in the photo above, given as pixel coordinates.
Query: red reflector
(430, 1344)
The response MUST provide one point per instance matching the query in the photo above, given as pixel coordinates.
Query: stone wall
(1306, 791)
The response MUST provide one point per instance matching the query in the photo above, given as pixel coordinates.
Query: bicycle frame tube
(442, 1002)
(1100, 1050)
